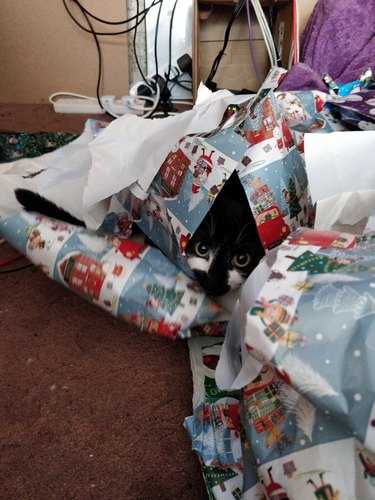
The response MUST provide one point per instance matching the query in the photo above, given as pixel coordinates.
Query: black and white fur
(226, 247)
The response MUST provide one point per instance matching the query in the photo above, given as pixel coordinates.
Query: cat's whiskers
(242, 233)
(212, 224)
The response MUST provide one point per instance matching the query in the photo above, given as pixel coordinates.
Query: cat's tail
(34, 202)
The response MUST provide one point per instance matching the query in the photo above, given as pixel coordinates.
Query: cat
(226, 247)
(221, 253)
(34, 202)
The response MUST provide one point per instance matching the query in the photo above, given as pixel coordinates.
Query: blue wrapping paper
(128, 279)
(263, 142)
(214, 427)
(309, 416)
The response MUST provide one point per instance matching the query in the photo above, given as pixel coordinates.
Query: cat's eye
(201, 249)
(241, 260)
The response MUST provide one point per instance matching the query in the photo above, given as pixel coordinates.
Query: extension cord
(77, 105)
(90, 106)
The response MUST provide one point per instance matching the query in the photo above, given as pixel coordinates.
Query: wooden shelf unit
(236, 68)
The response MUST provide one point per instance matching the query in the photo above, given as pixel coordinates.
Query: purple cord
(251, 43)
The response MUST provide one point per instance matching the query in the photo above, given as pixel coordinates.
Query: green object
(14, 146)
(167, 298)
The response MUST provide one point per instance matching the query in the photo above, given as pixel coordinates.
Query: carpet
(91, 407)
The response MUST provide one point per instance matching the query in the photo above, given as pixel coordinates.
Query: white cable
(72, 94)
(258, 11)
(269, 42)
(133, 106)
(176, 101)
(267, 35)
(291, 53)
(155, 101)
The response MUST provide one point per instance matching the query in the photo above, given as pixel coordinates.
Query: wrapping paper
(356, 110)
(213, 427)
(257, 141)
(308, 414)
(263, 142)
(128, 279)
(60, 175)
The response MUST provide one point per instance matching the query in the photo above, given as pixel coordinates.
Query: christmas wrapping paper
(309, 414)
(213, 427)
(261, 139)
(127, 278)
(357, 110)
(255, 140)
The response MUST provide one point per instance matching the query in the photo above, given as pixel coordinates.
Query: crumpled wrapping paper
(130, 280)
(263, 141)
(213, 427)
(307, 408)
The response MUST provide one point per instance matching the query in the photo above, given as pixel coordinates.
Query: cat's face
(226, 246)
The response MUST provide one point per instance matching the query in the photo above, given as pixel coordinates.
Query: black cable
(16, 269)
(108, 33)
(99, 57)
(156, 60)
(180, 84)
(114, 22)
(95, 34)
(237, 9)
(156, 39)
(163, 101)
(135, 48)
(170, 42)
(271, 14)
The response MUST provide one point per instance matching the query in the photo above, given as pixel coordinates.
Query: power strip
(91, 106)
(76, 105)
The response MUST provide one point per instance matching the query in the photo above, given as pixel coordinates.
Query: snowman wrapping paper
(307, 419)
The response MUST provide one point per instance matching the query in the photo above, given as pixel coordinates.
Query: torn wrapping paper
(341, 178)
(60, 175)
(255, 140)
(14, 146)
(109, 174)
(214, 427)
(341, 160)
(363, 82)
(128, 279)
(309, 413)
(263, 142)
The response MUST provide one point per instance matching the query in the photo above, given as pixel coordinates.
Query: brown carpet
(90, 408)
